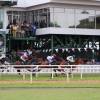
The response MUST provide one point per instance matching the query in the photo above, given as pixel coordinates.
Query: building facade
(61, 24)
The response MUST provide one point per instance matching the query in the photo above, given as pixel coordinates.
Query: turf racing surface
(12, 88)
(50, 94)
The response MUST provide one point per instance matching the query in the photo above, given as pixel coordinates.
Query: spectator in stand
(44, 24)
(25, 27)
(32, 29)
(9, 27)
(15, 28)
(98, 58)
(22, 31)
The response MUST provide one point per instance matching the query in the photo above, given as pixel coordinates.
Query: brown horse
(79, 61)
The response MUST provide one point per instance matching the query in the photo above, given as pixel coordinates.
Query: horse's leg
(61, 69)
(72, 68)
(55, 70)
(69, 70)
(63, 72)
(36, 70)
(18, 71)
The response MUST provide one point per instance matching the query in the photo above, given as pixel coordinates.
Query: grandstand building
(62, 25)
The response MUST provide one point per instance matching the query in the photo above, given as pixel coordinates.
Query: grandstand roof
(28, 3)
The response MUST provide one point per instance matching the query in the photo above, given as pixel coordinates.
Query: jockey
(70, 59)
(24, 57)
(3, 59)
(2, 56)
(50, 59)
(29, 51)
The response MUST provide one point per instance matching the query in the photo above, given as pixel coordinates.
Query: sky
(25, 3)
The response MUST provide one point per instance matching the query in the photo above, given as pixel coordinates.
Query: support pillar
(52, 44)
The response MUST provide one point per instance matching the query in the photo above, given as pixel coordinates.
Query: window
(41, 18)
(18, 15)
(85, 19)
(98, 19)
(1, 18)
(61, 17)
(70, 18)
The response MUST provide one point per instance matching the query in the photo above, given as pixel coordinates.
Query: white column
(5, 19)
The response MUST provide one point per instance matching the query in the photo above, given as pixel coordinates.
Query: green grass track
(15, 81)
(50, 94)
(13, 87)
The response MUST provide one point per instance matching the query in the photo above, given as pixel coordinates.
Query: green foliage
(54, 24)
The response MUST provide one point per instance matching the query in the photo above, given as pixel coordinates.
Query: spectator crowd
(21, 30)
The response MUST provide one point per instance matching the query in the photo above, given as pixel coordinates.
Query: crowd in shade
(25, 29)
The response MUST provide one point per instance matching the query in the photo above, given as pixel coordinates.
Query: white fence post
(23, 74)
(81, 73)
(31, 74)
(52, 73)
(81, 76)
(36, 69)
(67, 76)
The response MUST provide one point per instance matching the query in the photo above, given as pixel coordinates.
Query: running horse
(58, 60)
(73, 61)
(78, 61)
(43, 62)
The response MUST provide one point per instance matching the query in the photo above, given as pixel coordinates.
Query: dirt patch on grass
(54, 81)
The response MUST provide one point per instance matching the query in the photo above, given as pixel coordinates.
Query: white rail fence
(49, 69)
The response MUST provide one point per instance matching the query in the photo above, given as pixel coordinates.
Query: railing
(50, 69)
